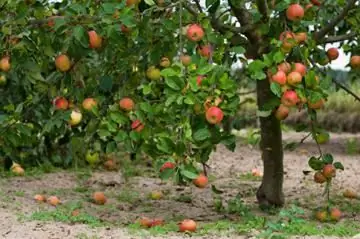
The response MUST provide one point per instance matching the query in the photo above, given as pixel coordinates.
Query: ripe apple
(5, 64)
(294, 78)
(295, 12)
(201, 181)
(110, 165)
(157, 222)
(332, 53)
(335, 214)
(319, 178)
(165, 62)
(290, 98)
(355, 62)
(185, 60)
(256, 172)
(145, 222)
(3, 80)
(132, 2)
(89, 104)
(39, 198)
(126, 104)
(153, 73)
(301, 37)
(285, 67)
(92, 158)
(99, 198)
(53, 200)
(166, 165)
(17, 170)
(350, 194)
(199, 80)
(137, 125)
(95, 41)
(187, 225)
(288, 40)
(156, 195)
(301, 68)
(61, 103)
(282, 112)
(214, 115)
(279, 77)
(204, 50)
(317, 105)
(75, 117)
(321, 216)
(329, 171)
(195, 32)
(62, 63)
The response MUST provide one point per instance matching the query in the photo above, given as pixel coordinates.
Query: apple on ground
(99, 198)
(187, 225)
(53, 200)
(156, 195)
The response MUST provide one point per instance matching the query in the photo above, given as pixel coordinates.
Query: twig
(332, 39)
(303, 139)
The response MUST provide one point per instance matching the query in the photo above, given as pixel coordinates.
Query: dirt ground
(128, 199)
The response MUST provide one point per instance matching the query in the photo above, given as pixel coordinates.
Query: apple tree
(87, 78)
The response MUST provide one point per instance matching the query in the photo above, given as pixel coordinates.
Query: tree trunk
(270, 192)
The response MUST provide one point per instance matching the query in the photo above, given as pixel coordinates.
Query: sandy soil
(128, 199)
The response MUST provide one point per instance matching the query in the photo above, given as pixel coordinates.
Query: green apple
(153, 73)
(323, 137)
(92, 158)
(3, 80)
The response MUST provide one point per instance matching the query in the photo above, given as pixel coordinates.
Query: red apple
(187, 225)
(301, 37)
(335, 214)
(137, 125)
(285, 67)
(204, 50)
(95, 40)
(355, 62)
(282, 112)
(61, 103)
(5, 64)
(329, 171)
(132, 2)
(126, 104)
(319, 178)
(185, 60)
(288, 40)
(199, 80)
(295, 12)
(166, 165)
(124, 29)
(214, 115)
(290, 98)
(195, 32)
(62, 63)
(332, 53)
(279, 77)
(89, 103)
(201, 181)
(301, 68)
(294, 78)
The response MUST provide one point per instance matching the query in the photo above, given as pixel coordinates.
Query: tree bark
(270, 192)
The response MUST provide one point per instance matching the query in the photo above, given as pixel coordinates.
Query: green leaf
(238, 49)
(165, 145)
(190, 100)
(121, 136)
(189, 174)
(276, 89)
(166, 173)
(118, 118)
(111, 147)
(328, 158)
(201, 134)
(104, 133)
(205, 69)
(167, 72)
(173, 83)
(149, 2)
(106, 83)
(279, 57)
(315, 163)
(264, 113)
(339, 165)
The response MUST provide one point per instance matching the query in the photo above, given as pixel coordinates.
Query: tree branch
(327, 28)
(332, 39)
(197, 2)
(263, 9)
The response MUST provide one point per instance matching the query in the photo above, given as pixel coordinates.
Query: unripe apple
(322, 137)
(137, 125)
(301, 37)
(5, 64)
(355, 62)
(321, 216)
(329, 171)
(201, 181)
(279, 77)
(89, 104)
(156, 195)
(285, 67)
(332, 53)
(92, 158)
(324, 61)
(214, 115)
(95, 41)
(204, 50)
(282, 112)
(195, 32)
(187, 225)
(317, 105)
(319, 178)
(165, 62)
(294, 78)
(75, 117)
(61, 103)
(290, 98)
(295, 12)
(301, 68)
(3, 80)
(126, 104)
(185, 60)
(62, 63)
(153, 73)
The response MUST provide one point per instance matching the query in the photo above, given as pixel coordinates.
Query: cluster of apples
(331, 214)
(52, 200)
(187, 225)
(5, 66)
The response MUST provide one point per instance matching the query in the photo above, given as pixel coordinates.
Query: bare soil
(128, 199)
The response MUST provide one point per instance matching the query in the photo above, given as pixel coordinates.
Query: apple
(214, 115)
(301, 37)
(166, 165)
(329, 171)
(355, 62)
(99, 198)
(201, 181)
(132, 2)
(319, 178)
(285, 67)
(295, 12)
(256, 172)
(321, 216)
(301, 68)
(288, 40)
(157, 222)
(61, 103)
(153, 73)
(315, 2)
(317, 105)
(187, 225)
(282, 112)
(195, 32)
(75, 117)
(279, 77)
(350, 194)
(110, 165)
(92, 158)
(62, 63)
(137, 125)
(290, 98)
(294, 78)
(126, 104)
(53, 200)
(89, 104)
(335, 214)
(95, 41)
(324, 61)
(156, 195)
(199, 80)
(332, 53)
(322, 137)
(185, 60)
(17, 170)
(145, 222)
(165, 62)
(5, 64)
(39, 198)
(204, 50)
(3, 80)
